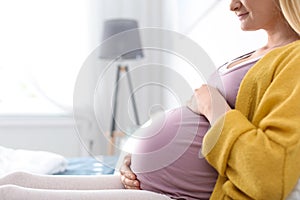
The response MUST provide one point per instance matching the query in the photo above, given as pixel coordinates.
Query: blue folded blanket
(90, 165)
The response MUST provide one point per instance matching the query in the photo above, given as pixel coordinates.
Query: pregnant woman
(254, 154)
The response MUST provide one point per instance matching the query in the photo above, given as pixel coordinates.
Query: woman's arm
(256, 148)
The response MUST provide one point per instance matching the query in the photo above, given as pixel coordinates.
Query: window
(43, 45)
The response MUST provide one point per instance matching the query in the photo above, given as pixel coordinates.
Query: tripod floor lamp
(121, 41)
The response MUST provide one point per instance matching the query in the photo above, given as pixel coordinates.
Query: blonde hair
(291, 11)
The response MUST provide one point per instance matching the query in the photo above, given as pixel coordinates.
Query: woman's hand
(128, 178)
(209, 102)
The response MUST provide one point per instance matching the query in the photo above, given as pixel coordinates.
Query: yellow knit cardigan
(256, 147)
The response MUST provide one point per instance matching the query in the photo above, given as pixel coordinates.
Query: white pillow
(41, 162)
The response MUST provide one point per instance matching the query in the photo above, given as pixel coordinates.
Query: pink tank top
(166, 158)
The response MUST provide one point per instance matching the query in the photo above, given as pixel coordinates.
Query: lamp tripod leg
(132, 96)
(115, 99)
(115, 104)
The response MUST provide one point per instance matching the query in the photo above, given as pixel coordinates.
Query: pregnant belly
(166, 156)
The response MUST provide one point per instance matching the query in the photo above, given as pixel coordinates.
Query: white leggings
(25, 186)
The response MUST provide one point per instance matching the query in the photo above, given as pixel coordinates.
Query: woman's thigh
(13, 192)
(61, 182)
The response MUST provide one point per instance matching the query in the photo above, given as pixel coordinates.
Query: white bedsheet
(40, 162)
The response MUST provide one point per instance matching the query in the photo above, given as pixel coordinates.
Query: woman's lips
(242, 16)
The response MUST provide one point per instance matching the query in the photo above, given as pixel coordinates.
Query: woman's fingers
(128, 178)
(125, 168)
(130, 183)
(209, 102)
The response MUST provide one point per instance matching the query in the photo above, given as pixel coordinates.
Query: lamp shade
(121, 39)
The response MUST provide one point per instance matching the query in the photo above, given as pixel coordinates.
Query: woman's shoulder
(288, 53)
(293, 47)
(282, 58)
